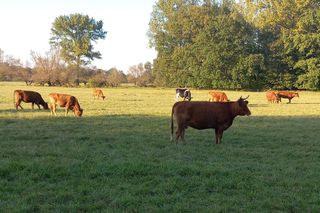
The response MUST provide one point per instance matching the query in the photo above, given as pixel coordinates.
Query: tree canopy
(246, 44)
(74, 34)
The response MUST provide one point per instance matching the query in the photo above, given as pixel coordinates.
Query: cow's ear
(246, 102)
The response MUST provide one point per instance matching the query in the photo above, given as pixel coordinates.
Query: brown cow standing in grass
(28, 97)
(272, 97)
(207, 115)
(217, 96)
(98, 93)
(68, 101)
(287, 95)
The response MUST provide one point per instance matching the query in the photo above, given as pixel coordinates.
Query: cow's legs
(36, 104)
(53, 109)
(289, 100)
(182, 133)
(179, 133)
(219, 134)
(32, 105)
(67, 111)
(18, 104)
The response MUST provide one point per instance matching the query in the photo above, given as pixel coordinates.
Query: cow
(63, 100)
(217, 96)
(183, 93)
(98, 93)
(272, 97)
(206, 115)
(287, 95)
(28, 97)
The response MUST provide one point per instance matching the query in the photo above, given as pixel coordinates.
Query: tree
(74, 34)
(141, 74)
(199, 43)
(47, 68)
(115, 77)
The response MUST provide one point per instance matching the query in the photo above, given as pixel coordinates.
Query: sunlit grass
(118, 156)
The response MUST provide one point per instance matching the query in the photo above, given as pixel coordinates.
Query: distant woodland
(246, 44)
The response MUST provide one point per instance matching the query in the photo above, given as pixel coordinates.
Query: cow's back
(28, 96)
(59, 99)
(202, 114)
(287, 94)
(218, 96)
(271, 96)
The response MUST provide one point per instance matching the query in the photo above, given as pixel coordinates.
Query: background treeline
(51, 70)
(246, 44)
(229, 44)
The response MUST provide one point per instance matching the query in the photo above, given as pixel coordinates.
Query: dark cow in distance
(287, 95)
(207, 115)
(272, 97)
(183, 93)
(217, 96)
(63, 100)
(28, 97)
(98, 93)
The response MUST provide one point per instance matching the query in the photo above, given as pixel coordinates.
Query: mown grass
(118, 156)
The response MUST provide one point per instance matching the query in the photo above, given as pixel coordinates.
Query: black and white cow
(183, 93)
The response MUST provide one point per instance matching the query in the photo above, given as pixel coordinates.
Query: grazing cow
(98, 93)
(217, 96)
(272, 97)
(68, 101)
(28, 97)
(183, 93)
(287, 95)
(207, 115)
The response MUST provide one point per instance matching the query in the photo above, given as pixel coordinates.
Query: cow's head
(243, 106)
(78, 112)
(103, 97)
(296, 94)
(45, 105)
(187, 95)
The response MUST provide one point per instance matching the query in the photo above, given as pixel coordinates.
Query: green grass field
(118, 156)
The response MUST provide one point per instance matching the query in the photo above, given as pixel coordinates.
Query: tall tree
(289, 34)
(74, 34)
(201, 43)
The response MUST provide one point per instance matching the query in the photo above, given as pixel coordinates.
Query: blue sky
(25, 26)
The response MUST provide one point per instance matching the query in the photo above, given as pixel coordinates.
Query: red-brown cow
(207, 115)
(272, 97)
(287, 95)
(28, 97)
(68, 101)
(98, 93)
(217, 96)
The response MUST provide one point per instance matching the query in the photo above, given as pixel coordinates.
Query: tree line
(246, 44)
(230, 44)
(67, 62)
(50, 70)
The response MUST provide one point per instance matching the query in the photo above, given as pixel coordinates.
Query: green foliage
(230, 44)
(200, 44)
(74, 34)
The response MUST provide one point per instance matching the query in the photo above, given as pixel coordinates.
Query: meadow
(118, 156)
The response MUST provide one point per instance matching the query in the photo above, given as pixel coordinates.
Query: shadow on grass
(139, 128)
(119, 162)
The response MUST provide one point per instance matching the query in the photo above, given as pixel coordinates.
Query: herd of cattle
(217, 113)
(63, 100)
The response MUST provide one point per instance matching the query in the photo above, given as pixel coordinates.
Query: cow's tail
(172, 127)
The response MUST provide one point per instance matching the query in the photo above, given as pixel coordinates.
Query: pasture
(118, 156)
